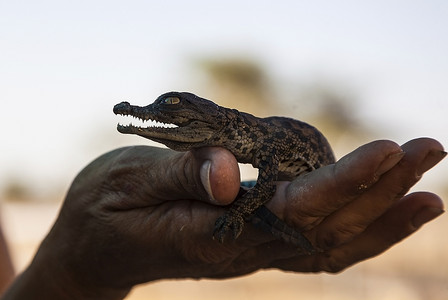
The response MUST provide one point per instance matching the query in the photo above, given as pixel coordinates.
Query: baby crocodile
(281, 148)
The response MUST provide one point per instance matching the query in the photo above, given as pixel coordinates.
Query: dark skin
(6, 269)
(141, 214)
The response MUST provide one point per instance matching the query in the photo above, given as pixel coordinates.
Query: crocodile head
(182, 120)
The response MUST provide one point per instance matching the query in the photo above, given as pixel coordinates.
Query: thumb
(218, 173)
(209, 174)
(140, 175)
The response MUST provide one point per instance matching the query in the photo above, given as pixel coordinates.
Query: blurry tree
(244, 84)
(238, 83)
(333, 109)
(16, 190)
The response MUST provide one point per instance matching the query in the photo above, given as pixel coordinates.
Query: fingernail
(425, 215)
(433, 157)
(389, 162)
(205, 178)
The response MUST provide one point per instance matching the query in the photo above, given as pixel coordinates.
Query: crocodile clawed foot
(225, 224)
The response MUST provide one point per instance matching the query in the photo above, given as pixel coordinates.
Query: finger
(219, 174)
(158, 175)
(428, 150)
(400, 221)
(306, 200)
(352, 219)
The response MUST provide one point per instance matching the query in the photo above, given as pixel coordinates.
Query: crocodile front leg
(244, 207)
(241, 211)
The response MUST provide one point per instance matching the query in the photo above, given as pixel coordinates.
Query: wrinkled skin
(140, 214)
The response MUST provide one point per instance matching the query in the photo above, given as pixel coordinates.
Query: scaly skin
(281, 148)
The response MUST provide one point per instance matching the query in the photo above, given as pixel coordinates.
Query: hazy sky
(64, 64)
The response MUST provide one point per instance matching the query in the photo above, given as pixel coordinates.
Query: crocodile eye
(171, 100)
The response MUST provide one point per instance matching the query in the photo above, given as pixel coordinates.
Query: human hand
(359, 207)
(140, 214)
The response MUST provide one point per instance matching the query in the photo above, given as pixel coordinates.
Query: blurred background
(358, 70)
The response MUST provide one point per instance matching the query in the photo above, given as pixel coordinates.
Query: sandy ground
(415, 269)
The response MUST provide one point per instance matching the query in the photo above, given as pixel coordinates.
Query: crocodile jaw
(161, 134)
(179, 134)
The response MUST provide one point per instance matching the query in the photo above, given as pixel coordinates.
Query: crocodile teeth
(140, 123)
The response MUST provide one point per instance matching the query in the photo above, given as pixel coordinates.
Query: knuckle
(329, 264)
